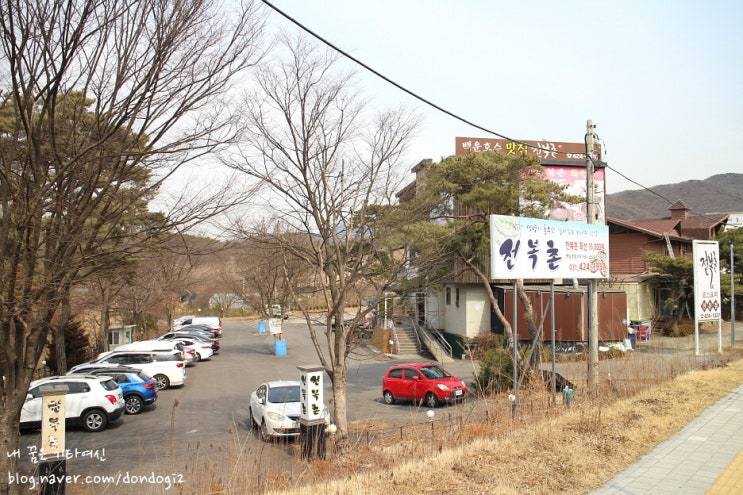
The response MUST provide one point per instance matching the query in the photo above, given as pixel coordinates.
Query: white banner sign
(534, 248)
(707, 296)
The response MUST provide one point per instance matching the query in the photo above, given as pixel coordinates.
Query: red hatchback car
(424, 382)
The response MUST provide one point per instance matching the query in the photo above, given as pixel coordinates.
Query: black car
(213, 332)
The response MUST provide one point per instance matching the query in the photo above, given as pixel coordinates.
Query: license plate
(458, 392)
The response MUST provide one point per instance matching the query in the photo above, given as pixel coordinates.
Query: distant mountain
(717, 194)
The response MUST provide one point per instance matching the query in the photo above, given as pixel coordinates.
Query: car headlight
(443, 387)
(274, 416)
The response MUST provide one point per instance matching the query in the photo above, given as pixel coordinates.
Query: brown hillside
(719, 193)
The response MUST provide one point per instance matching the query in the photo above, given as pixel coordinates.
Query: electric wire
(395, 84)
(447, 112)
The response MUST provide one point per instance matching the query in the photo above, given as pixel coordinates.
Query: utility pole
(593, 320)
(732, 293)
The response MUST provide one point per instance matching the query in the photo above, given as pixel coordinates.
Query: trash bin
(261, 327)
(279, 347)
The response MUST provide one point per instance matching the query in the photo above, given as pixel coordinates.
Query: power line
(397, 85)
(441, 109)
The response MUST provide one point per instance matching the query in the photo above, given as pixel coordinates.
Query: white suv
(91, 401)
(167, 368)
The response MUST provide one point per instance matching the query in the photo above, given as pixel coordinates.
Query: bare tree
(102, 100)
(325, 165)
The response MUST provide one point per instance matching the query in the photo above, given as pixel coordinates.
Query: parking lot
(207, 417)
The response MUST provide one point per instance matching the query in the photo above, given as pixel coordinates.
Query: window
(410, 374)
(396, 373)
(457, 297)
(448, 296)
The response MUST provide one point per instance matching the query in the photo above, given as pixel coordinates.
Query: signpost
(531, 248)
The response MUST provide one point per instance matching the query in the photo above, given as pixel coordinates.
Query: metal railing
(433, 340)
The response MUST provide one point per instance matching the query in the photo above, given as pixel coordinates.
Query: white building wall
(469, 318)
(640, 300)
(435, 314)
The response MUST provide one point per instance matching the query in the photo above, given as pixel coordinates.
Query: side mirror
(416, 378)
(29, 397)
(262, 400)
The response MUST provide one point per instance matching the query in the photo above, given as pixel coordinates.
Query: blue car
(138, 388)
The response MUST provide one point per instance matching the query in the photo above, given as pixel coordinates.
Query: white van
(157, 346)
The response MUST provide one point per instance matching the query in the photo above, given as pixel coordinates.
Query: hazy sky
(662, 80)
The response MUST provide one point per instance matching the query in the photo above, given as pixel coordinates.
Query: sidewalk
(706, 457)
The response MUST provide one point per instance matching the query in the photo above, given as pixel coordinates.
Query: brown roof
(700, 227)
(668, 226)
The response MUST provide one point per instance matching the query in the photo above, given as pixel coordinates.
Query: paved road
(207, 417)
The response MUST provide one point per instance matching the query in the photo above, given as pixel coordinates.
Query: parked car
(167, 368)
(139, 389)
(208, 330)
(91, 401)
(213, 322)
(427, 383)
(275, 408)
(200, 349)
(158, 346)
(193, 335)
(277, 312)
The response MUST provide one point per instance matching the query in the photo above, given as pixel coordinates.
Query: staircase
(407, 345)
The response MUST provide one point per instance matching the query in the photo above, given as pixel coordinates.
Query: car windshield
(434, 372)
(280, 395)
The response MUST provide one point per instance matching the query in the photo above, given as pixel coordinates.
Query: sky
(661, 80)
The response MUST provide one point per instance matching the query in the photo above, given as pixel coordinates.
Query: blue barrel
(261, 327)
(279, 347)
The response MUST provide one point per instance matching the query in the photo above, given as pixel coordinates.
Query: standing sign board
(53, 421)
(274, 325)
(531, 248)
(707, 295)
(311, 421)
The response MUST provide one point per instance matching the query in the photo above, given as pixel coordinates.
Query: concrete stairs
(407, 345)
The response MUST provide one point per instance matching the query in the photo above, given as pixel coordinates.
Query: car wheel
(430, 400)
(94, 420)
(264, 432)
(161, 382)
(251, 419)
(388, 397)
(133, 404)
(197, 357)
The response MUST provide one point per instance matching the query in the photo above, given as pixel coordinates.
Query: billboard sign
(532, 248)
(707, 295)
(545, 150)
(570, 174)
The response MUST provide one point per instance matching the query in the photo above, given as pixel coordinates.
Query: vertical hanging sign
(707, 295)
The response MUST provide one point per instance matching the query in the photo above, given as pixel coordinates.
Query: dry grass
(573, 451)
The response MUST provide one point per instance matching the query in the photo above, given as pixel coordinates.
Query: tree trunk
(493, 302)
(535, 360)
(60, 348)
(10, 453)
(340, 380)
(102, 337)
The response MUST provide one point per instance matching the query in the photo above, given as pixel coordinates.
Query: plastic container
(279, 347)
(261, 327)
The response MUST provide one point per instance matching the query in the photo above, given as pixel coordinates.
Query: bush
(496, 365)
